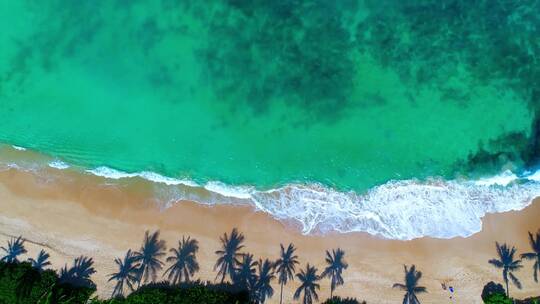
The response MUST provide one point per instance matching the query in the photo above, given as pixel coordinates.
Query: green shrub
(20, 283)
(498, 298)
(339, 300)
(188, 293)
(490, 289)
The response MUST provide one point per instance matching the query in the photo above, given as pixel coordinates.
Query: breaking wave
(400, 209)
(404, 210)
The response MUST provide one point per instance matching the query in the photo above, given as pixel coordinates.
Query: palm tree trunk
(281, 294)
(507, 293)
(331, 293)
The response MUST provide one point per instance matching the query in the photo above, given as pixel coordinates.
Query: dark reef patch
(494, 43)
(294, 51)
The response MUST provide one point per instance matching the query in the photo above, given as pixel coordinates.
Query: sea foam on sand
(402, 210)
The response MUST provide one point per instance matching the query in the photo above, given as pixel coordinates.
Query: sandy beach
(83, 214)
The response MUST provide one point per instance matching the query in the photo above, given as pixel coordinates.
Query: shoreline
(397, 209)
(76, 215)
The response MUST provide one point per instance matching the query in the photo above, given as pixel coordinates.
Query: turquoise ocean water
(325, 112)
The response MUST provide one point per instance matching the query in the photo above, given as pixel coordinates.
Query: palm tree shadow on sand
(79, 273)
(14, 249)
(184, 261)
(127, 274)
(308, 286)
(336, 264)
(508, 264)
(411, 288)
(228, 255)
(535, 254)
(149, 256)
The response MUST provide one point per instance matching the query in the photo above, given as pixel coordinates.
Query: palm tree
(411, 285)
(184, 261)
(336, 265)
(286, 267)
(507, 264)
(245, 275)
(229, 254)
(127, 274)
(309, 285)
(148, 257)
(14, 249)
(79, 274)
(266, 275)
(41, 261)
(535, 254)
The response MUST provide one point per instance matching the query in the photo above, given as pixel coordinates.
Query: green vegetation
(339, 300)
(21, 283)
(136, 280)
(490, 289)
(498, 298)
(184, 293)
(241, 277)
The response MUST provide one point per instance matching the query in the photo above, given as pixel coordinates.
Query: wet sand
(82, 214)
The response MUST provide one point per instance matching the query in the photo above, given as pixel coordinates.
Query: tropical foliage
(498, 298)
(490, 289)
(251, 280)
(339, 300)
(183, 293)
(21, 283)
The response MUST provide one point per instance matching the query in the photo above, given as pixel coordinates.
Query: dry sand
(80, 214)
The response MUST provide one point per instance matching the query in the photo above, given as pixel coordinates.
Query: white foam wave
(151, 176)
(241, 192)
(18, 148)
(110, 173)
(397, 210)
(502, 179)
(534, 176)
(58, 164)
